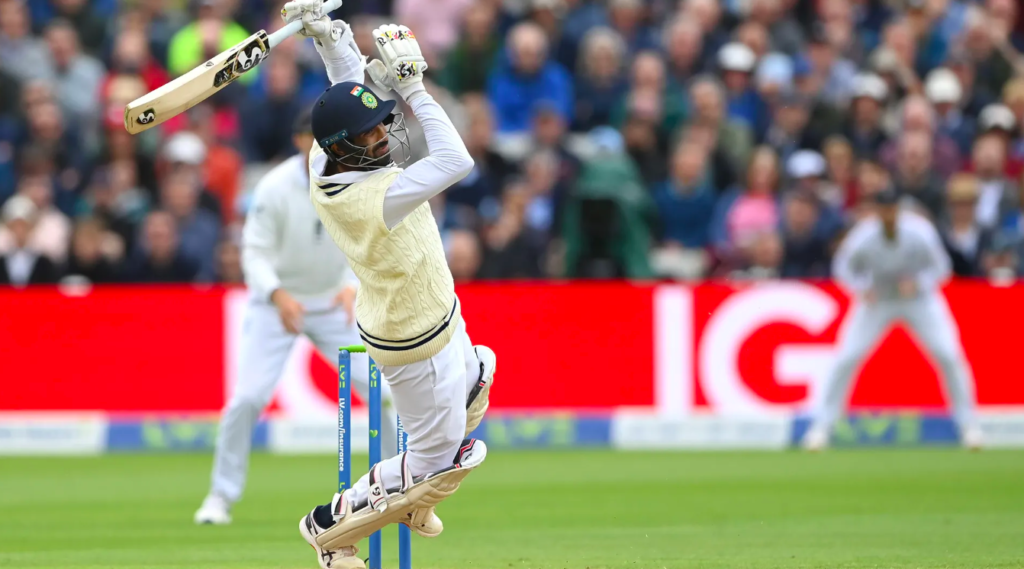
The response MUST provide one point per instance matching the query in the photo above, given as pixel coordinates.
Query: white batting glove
(401, 64)
(295, 9)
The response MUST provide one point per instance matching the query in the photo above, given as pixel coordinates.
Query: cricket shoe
(214, 511)
(344, 558)
(972, 438)
(479, 398)
(815, 439)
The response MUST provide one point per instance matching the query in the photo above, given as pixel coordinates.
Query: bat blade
(197, 85)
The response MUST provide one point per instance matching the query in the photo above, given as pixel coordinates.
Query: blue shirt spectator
(527, 77)
(686, 201)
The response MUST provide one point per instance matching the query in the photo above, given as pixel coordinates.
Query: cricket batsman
(894, 263)
(299, 284)
(408, 315)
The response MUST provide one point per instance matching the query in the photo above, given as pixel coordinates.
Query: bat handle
(293, 28)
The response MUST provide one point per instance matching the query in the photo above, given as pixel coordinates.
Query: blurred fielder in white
(299, 284)
(894, 263)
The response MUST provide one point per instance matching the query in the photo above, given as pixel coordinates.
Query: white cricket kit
(409, 315)
(285, 246)
(868, 261)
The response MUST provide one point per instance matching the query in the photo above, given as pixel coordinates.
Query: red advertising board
(573, 346)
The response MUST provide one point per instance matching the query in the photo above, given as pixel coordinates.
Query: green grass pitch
(543, 510)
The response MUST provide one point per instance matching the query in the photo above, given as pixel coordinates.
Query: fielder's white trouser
(430, 397)
(264, 350)
(929, 318)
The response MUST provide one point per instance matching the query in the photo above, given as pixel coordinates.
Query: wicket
(345, 446)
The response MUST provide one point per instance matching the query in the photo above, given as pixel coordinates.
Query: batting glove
(401, 64)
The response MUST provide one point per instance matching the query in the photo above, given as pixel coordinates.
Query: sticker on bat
(248, 56)
(147, 116)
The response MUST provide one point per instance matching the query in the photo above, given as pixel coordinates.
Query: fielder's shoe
(479, 397)
(815, 439)
(344, 558)
(215, 510)
(972, 438)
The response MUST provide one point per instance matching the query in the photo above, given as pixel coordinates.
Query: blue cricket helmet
(347, 110)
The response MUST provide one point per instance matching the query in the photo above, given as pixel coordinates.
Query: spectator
(223, 167)
(131, 56)
(744, 213)
(684, 49)
(627, 18)
(211, 33)
(774, 76)
(997, 195)
(991, 69)
(186, 151)
(708, 15)
(462, 248)
(89, 27)
(229, 263)
(115, 199)
(841, 168)
(508, 252)
(872, 177)
(198, 229)
(805, 250)
(915, 175)
(470, 60)
(77, 76)
(21, 55)
(527, 77)
(834, 73)
(580, 16)
(644, 145)
(55, 150)
(20, 265)
(490, 170)
(652, 97)
(267, 119)
(50, 228)
(998, 121)
(754, 36)
(762, 259)
(159, 258)
(965, 240)
(437, 24)
(1001, 263)
(942, 87)
(864, 130)
(599, 83)
(737, 62)
(960, 63)
(788, 132)
(95, 254)
(784, 33)
(733, 138)
(918, 116)
(685, 203)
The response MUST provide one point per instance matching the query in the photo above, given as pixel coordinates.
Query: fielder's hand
(289, 309)
(401, 64)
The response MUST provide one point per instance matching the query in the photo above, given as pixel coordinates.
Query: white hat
(185, 147)
(871, 86)
(997, 116)
(805, 164)
(736, 56)
(19, 207)
(943, 86)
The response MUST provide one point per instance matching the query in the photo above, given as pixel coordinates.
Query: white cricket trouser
(430, 397)
(264, 349)
(929, 318)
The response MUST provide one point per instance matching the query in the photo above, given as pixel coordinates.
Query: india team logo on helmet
(369, 101)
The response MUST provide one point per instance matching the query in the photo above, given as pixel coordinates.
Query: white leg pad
(412, 505)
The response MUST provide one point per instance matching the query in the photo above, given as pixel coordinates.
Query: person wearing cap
(737, 62)
(997, 193)
(894, 265)
(965, 240)
(864, 129)
(21, 266)
(409, 317)
(942, 88)
(300, 284)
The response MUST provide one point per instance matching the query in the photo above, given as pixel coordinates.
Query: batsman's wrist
(408, 92)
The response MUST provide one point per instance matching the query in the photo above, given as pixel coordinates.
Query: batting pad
(410, 505)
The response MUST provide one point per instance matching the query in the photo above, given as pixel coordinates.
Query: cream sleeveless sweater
(406, 307)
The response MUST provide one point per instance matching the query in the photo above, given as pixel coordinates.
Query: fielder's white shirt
(868, 260)
(284, 244)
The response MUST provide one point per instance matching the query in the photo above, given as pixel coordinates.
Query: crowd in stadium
(612, 138)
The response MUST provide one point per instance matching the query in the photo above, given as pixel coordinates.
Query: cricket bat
(202, 82)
